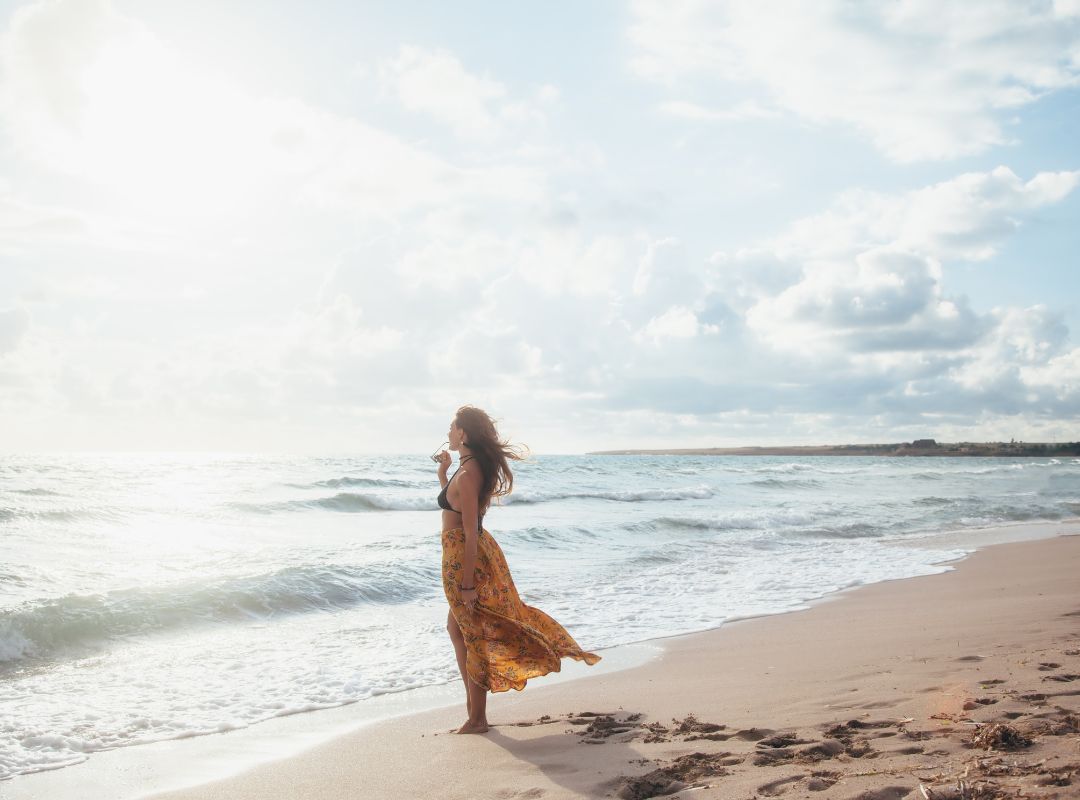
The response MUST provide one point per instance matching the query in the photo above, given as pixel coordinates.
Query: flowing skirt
(507, 641)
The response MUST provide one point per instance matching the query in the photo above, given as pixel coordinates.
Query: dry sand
(966, 682)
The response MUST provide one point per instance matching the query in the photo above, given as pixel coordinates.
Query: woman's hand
(468, 597)
(444, 462)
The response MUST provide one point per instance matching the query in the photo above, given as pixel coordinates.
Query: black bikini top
(444, 502)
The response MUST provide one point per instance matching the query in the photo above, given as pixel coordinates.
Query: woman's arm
(444, 464)
(469, 497)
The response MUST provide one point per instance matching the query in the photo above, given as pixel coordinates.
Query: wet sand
(966, 683)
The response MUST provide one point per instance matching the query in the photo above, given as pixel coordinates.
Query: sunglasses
(435, 455)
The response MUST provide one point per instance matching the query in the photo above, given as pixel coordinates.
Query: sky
(320, 228)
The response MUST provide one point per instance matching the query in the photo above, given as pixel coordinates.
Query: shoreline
(885, 660)
(137, 771)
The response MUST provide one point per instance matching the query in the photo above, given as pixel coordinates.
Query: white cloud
(435, 82)
(1015, 354)
(885, 299)
(866, 275)
(28, 227)
(557, 262)
(1059, 376)
(13, 325)
(89, 92)
(854, 302)
(963, 218)
(678, 322)
(924, 80)
(745, 110)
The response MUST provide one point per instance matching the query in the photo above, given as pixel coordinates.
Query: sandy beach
(966, 683)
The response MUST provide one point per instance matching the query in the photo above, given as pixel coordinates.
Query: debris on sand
(691, 724)
(997, 736)
(677, 775)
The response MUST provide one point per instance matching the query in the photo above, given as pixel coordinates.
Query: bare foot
(474, 727)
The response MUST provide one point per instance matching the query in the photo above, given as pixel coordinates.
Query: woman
(500, 641)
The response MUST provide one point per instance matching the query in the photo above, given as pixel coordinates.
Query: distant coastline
(920, 447)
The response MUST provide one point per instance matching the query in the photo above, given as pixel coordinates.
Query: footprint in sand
(1059, 722)
(918, 736)
(991, 682)
(779, 786)
(884, 793)
(753, 734)
(846, 729)
(602, 727)
(693, 729)
(827, 748)
(820, 781)
(879, 704)
(524, 794)
(674, 776)
(1046, 666)
(1063, 678)
(772, 758)
(907, 751)
(820, 751)
(783, 740)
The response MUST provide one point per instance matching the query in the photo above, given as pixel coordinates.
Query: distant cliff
(920, 447)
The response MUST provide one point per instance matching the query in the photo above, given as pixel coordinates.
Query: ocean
(160, 596)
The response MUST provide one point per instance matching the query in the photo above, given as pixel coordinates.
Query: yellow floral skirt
(507, 641)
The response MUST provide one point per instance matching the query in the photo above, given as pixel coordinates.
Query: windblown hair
(491, 453)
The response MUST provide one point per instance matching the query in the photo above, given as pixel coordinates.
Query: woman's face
(454, 436)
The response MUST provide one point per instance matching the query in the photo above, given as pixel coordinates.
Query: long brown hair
(491, 453)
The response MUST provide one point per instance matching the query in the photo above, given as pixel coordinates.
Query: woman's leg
(459, 651)
(477, 709)
(476, 695)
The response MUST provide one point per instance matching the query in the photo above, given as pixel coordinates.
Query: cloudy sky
(263, 225)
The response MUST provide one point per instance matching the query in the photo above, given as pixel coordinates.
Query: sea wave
(658, 556)
(786, 483)
(58, 514)
(937, 474)
(47, 629)
(349, 502)
(849, 530)
(8, 578)
(737, 520)
(992, 514)
(935, 500)
(356, 501)
(701, 492)
(362, 482)
(783, 469)
(543, 535)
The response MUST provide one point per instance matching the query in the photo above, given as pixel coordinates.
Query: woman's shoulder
(470, 467)
(471, 472)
